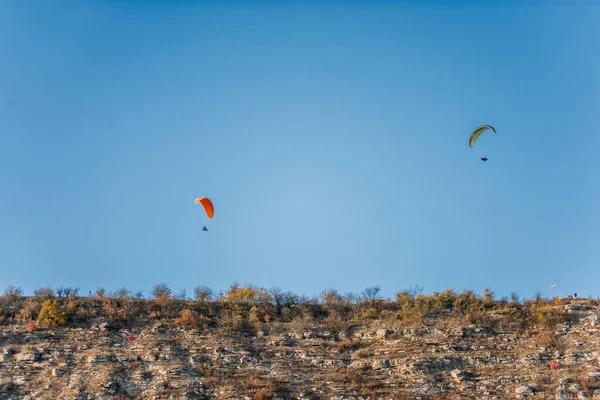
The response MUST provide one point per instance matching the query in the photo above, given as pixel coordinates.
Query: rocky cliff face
(442, 358)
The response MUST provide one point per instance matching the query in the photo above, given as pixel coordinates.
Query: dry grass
(588, 384)
(349, 345)
(364, 353)
(542, 382)
(262, 394)
(551, 341)
(364, 385)
(482, 319)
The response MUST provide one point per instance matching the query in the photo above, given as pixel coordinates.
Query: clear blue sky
(331, 136)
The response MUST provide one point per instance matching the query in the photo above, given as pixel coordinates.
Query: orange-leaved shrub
(262, 394)
(31, 326)
(191, 319)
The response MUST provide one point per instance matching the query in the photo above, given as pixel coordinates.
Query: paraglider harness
(204, 228)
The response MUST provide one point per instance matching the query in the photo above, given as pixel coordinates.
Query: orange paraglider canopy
(208, 206)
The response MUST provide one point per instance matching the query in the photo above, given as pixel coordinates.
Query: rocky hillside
(444, 355)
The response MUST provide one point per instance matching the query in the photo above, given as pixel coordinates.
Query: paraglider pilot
(204, 228)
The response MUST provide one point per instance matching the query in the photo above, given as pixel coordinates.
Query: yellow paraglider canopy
(477, 132)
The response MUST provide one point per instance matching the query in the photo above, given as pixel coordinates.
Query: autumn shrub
(409, 315)
(367, 313)
(51, 314)
(512, 318)
(487, 299)
(30, 310)
(262, 313)
(44, 293)
(237, 294)
(191, 319)
(286, 304)
(255, 316)
(554, 365)
(31, 326)
(545, 315)
(548, 316)
(335, 322)
(110, 308)
(155, 315)
(71, 306)
(557, 301)
(482, 319)
(404, 299)
(422, 304)
(234, 322)
(465, 301)
(122, 319)
(262, 394)
(551, 341)
(301, 322)
(2, 319)
(12, 300)
(560, 344)
(570, 318)
(83, 310)
(163, 301)
(436, 304)
(330, 297)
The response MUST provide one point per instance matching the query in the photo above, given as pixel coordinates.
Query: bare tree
(123, 293)
(182, 295)
(44, 293)
(161, 290)
(13, 292)
(351, 298)
(514, 297)
(277, 296)
(371, 293)
(162, 295)
(414, 291)
(71, 292)
(203, 293)
(330, 296)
